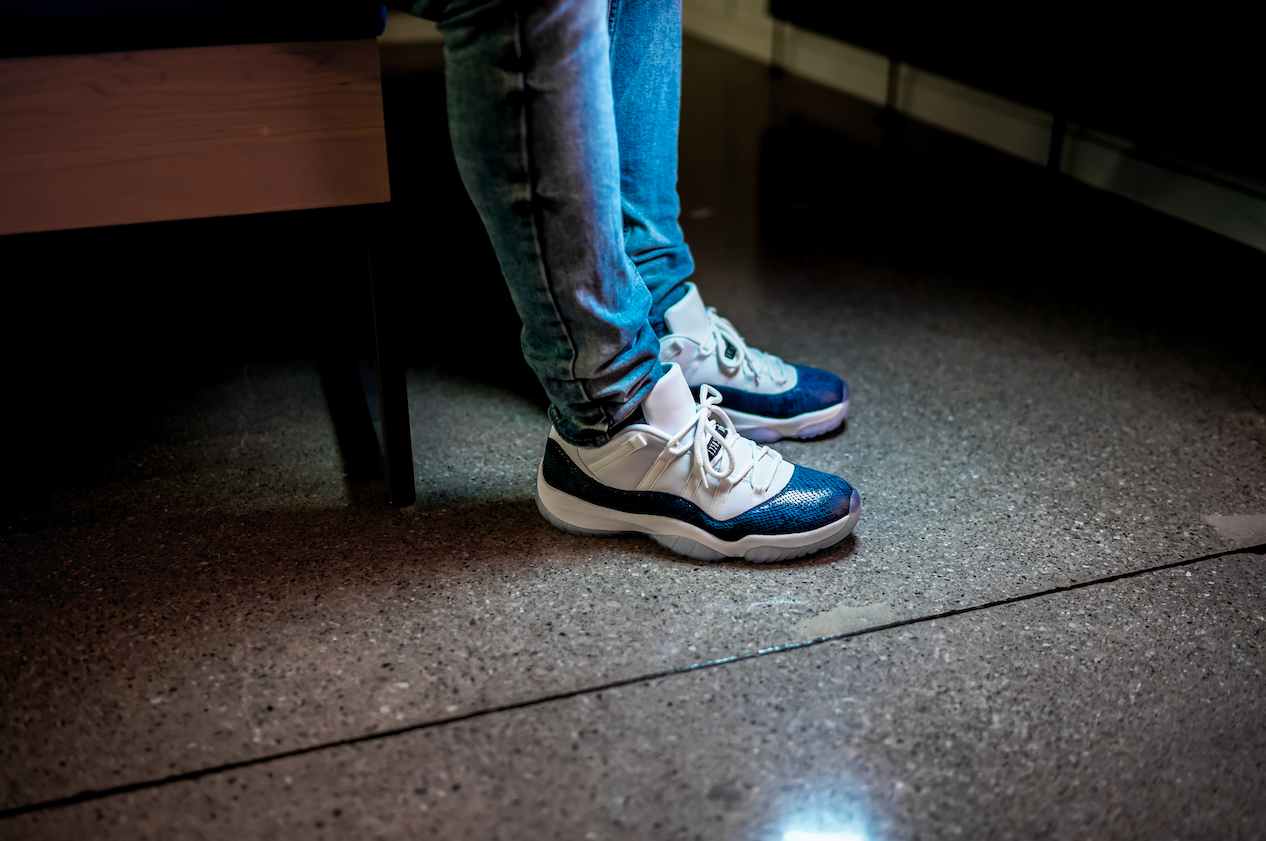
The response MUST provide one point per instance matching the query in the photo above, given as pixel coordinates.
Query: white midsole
(787, 427)
(589, 517)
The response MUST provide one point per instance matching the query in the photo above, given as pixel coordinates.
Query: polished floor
(1050, 622)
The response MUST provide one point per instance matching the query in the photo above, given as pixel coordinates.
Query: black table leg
(393, 397)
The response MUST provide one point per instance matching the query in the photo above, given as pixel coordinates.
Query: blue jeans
(563, 116)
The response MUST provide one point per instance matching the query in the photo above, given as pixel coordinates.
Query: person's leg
(646, 85)
(767, 398)
(532, 118)
(533, 130)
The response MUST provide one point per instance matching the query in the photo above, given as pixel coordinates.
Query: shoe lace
(710, 424)
(756, 362)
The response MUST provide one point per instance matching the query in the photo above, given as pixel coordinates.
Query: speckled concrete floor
(214, 628)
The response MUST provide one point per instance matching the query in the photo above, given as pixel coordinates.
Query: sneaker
(765, 397)
(687, 479)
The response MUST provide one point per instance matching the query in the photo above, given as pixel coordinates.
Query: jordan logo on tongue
(730, 350)
(714, 446)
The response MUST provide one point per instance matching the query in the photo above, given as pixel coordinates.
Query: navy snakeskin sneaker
(689, 481)
(765, 397)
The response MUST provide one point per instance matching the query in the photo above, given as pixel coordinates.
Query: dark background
(104, 324)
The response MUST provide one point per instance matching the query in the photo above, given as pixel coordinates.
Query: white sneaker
(693, 484)
(765, 397)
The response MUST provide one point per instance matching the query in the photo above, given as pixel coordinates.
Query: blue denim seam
(525, 135)
(613, 16)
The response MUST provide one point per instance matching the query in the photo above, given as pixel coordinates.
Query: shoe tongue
(669, 406)
(689, 317)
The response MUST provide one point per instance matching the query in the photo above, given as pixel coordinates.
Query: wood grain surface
(119, 138)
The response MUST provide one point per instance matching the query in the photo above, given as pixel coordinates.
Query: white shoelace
(705, 428)
(757, 362)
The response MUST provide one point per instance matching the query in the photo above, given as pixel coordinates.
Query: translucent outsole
(697, 551)
(769, 434)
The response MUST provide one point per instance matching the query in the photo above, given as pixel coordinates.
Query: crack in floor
(187, 776)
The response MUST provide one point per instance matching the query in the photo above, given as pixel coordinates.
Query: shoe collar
(669, 406)
(689, 317)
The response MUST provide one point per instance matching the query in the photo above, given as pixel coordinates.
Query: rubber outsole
(567, 512)
(765, 430)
